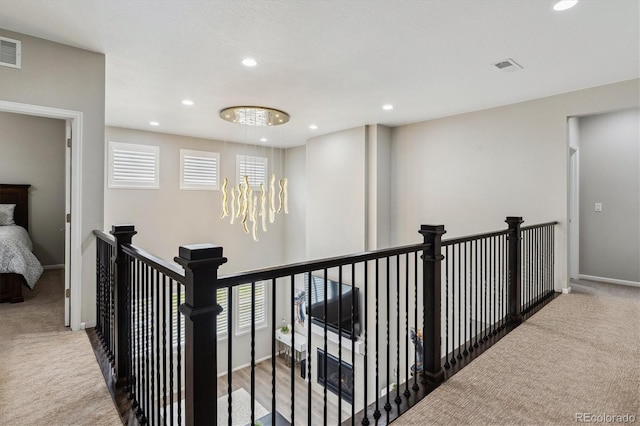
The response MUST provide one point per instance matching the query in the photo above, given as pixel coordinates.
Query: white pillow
(6, 214)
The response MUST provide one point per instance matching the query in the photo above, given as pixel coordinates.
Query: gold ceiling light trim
(254, 115)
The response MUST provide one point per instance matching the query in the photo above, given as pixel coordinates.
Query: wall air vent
(10, 52)
(508, 65)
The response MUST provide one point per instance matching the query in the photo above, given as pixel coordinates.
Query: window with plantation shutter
(244, 307)
(133, 166)
(253, 167)
(199, 170)
(221, 324)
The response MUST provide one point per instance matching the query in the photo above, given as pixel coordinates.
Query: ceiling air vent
(508, 65)
(10, 52)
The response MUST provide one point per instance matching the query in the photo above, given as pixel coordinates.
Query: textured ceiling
(333, 63)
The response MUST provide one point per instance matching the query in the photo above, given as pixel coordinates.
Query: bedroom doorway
(73, 248)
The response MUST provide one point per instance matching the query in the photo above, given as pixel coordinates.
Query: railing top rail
(459, 240)
(315, 265)
(541, 225)
(172, 271)
(107, 238)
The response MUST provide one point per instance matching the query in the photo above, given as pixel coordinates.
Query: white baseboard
(566, 290)
(47, 267)
(240, 367)
(609, 280)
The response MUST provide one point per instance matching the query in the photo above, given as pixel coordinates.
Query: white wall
(33, 152)
(470, 171)
(610, 174)
(336, 194)
(59, 76)
(295, 232)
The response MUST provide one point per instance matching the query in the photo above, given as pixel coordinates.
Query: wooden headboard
(18, 195)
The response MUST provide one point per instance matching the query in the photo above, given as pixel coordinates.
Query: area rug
(241, 409)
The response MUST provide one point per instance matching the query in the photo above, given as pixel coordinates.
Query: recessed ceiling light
(313, 127)
(249, 62)
(188, 102)
(263, 139)
(387, 107)
(154, 123)
(564, 5)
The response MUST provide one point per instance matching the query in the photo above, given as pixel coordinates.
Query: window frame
(201, 154)
(257, 160)
(240, 329)
(112, 183)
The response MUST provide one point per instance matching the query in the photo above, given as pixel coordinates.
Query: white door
(67, 228)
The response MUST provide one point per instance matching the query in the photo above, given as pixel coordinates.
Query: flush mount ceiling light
(564, 5)
(254, 116)
(187, 102)
(249, 62)
(387, 107)
(154, 123)
(313, 127)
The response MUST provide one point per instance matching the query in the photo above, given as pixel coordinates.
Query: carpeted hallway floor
(48, 374)
(579, 355)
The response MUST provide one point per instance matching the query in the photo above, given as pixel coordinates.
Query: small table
(300, 348)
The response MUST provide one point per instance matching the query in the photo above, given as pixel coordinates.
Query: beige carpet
(579, 354)
(48, 374)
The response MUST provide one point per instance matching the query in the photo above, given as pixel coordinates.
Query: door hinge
(68, 217)
(68, 142)
(67, 293)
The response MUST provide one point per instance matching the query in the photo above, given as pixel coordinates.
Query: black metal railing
(537, 248)
(475, 299)
(355, 339)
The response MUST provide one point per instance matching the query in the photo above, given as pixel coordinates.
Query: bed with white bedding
(16, 254)
(18, 265)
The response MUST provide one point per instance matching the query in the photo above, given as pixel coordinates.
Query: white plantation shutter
(254, 167)
(221, 325)
(133, 166)
(243, 306)
(199, 170)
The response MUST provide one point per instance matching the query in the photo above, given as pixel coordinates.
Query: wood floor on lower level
(263, 393)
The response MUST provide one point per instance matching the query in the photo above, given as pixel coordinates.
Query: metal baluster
(326, 352)
(365, 420)
(459, 281)
(484, 290)
(416, 372)
(339, 345)
(376, 413)
(387, 405)
(273, 353)
(407, 392)
(494, 288)
(230, 354)
(292, 357)
(171, 313)
(353, 349)
(164, 347)
(397, 399)
(179, 354)
(471, 294)
(476, 280)
(446, 309)
(150, 332)
(451, 273)
(309, 390)
(466, 296)
(157, 352)
(253, 353)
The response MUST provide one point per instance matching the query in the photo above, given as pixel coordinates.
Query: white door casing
(73, 237)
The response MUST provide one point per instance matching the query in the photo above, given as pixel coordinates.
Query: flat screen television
(337, 323)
